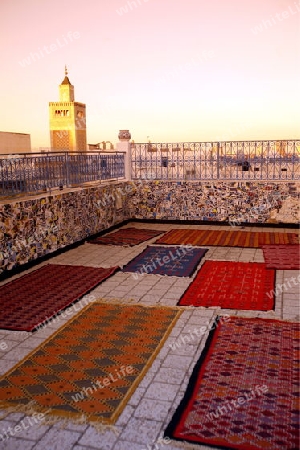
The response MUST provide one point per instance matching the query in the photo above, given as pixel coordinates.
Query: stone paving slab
(150, 408)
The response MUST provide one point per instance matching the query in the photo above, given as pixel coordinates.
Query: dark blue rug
(179, 261)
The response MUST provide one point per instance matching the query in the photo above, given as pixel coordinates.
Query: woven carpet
(33, 298)
(126, 237)
(92, 365)
(225, 238)
(232, 285)
(282, 257)
(172, 261)
(243, 393)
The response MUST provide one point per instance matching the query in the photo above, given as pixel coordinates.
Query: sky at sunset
(173, 70)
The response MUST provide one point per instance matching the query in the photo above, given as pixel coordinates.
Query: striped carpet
(227, 238)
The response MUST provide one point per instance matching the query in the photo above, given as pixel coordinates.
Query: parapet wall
(36, 227)
(33, 228)
(252, 202)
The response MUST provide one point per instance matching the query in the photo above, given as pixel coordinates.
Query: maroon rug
(126, 237)
(232, 285)
(30, 300)
(282, 257)
(244, 391)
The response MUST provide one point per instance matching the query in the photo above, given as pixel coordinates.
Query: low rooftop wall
(33, 228)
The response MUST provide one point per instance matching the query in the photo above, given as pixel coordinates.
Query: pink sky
(174, 70)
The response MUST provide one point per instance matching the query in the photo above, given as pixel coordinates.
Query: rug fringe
(62, 421)
(133, 302)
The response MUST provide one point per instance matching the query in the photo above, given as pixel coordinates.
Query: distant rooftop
(13, 132)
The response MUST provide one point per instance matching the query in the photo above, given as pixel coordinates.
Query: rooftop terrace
(151, 406)
(52, 205)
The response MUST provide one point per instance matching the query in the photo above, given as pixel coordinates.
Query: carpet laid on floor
(224, 238)
(282, 257)
(171, 261)
(32, 299)
(243, 393)
(126, 237)
(91, 366)
(232, 285)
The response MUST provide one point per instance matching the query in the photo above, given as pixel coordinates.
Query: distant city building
(67, 120)
(104, 145)
(14, 142)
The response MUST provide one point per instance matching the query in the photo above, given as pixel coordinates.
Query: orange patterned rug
(225, 238)
(91, 366)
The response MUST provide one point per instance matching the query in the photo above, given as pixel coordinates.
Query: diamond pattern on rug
(126, 237)
(282, 257)
(171, 261)
(91, 366)
(32, 299)
(243, 393)
(224, 238)
(232, 285)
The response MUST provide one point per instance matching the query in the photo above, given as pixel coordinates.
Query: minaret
(67, 120)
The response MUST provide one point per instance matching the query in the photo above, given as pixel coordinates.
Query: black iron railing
(36, 172)
(249, 160)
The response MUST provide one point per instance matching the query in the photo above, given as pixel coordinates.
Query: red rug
(244, 391)
(224, 238)
(32, 299)
(282, 257)
(126, 237)
(232, 285)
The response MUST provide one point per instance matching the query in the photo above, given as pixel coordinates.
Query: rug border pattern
(57, 416)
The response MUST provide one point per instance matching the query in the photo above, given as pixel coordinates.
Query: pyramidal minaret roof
(66, 79)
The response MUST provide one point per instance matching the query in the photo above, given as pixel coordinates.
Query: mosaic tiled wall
(219, 201)
(33, 228)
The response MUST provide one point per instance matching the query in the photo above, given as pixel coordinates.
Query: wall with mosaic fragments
(33, 228)
(234, 202)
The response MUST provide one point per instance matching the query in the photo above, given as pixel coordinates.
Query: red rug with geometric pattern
(244, 391)
(30, 300)
(232, 285)
(126, 237)
(282, 257)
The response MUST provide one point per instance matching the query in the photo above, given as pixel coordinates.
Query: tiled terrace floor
(152, 405)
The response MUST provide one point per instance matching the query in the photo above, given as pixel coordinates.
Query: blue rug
(180, 261)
